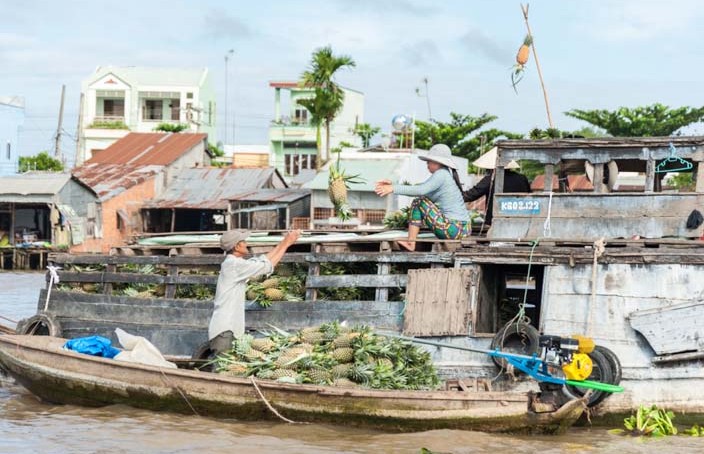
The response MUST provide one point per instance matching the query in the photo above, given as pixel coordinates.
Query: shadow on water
(28, 425)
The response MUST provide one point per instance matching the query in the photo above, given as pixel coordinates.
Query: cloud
(421, 53)
(478, 42)
(384, 7)
(219, 25)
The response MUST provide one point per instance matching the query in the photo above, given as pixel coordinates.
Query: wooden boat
(59, 376)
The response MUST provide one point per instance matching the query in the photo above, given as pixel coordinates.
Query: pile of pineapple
(331, 354)
(283, 286)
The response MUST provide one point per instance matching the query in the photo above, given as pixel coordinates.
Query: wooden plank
(313, 271)
(669, 329)
(650, 176)
(170, 291)
(549, 175)
(384, 257)
(136, 278)
(438, 302)
(179, 260)
(700, 177)
(357, 280)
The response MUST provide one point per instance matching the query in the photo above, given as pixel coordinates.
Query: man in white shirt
(228, 317)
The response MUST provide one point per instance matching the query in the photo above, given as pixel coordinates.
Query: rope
(546, 225)
(268, 405)
(176, 387)
(53, 279)
(599, 247)
(8, 319)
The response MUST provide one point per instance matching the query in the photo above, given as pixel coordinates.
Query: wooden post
(650, 175)
(313, 270)
(549, 173)
(173, 219)
(598, 178)
(498, 180)
(700, 177)
(537, 66)
(107, 286)
(170, 289)
(382, 293)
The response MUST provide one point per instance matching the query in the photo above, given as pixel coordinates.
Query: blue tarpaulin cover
(92, 345)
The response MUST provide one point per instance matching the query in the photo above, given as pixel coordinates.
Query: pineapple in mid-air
(338, 184)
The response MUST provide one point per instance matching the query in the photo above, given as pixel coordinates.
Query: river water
(28, 425)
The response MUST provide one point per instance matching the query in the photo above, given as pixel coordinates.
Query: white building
(119, 100)
(11, 120)
(292, 137)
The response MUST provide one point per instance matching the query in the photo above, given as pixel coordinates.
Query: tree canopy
(365, 131)
(328, 96)
(460, 134)
(42, 161)
(649, 121)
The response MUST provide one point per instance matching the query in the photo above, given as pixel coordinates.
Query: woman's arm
(435, 181)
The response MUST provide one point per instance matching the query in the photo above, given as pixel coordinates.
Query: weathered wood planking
(136, 278)
(585, 215)
(178, 326)
(438, 302)
(357, 280)
(672, 329)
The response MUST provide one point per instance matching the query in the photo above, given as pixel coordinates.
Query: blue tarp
(92, 345)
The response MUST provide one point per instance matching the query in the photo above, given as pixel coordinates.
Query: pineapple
(264, 344)
(281, 373)
(312, 337)
(338, 183)
(341, 370)
(253, 355)
(274, 294)
(343, 355)
(360, 373)
(385, 362)
(265, 374)
(344, 383)
(270, 283)
(236, 370)
(308, 348)
(252, 295)
(320, 376)
(344, 340)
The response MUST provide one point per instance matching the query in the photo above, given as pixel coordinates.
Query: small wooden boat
(56, 375)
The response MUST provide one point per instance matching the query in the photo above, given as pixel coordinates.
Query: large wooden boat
(56, 375)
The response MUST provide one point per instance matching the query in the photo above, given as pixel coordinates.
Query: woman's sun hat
(441, 154)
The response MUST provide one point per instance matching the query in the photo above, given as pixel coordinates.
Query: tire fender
(41, 324)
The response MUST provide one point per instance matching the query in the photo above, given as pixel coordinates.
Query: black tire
(203, 352)
(41, 324)
(601, 371)
(614, 362)
(520, 338)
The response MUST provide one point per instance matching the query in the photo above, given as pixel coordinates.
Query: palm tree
(329, 97)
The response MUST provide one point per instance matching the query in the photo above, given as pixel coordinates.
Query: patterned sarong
(425, 213)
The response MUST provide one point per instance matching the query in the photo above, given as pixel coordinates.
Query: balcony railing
(108, 122)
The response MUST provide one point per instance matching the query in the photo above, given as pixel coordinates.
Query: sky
(594, 54)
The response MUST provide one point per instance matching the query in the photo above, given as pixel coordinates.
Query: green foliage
(118, 124)
(171, 127)
(328, 96)
(683, 182)
(344, 144)
(365, 131)
(650, 422)
(398, 220)
(42, 161)
(215, 150)
(460, 134)
(648, 121)
(695, 431)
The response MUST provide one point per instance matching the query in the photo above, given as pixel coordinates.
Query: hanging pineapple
(338, 184)
(521, 60)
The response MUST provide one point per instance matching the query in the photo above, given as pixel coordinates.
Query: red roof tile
(138, 148)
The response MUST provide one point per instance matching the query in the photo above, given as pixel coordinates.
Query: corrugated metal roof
(370, 170)
(139, 148)
(143, 76)
(211, 188)
(35, 187)
(272, 195)
(109, 180)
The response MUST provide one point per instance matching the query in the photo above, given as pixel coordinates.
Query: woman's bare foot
(409, 245)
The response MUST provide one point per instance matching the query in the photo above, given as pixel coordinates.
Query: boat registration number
(519, 206)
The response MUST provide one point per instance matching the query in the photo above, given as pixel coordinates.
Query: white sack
(140, 350)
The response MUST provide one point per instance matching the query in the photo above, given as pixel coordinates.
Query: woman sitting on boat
(438, 204)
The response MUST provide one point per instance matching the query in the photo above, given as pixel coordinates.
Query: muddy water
(28, 426)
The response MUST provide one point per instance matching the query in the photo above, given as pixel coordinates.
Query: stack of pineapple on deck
(338, 184)
(331, 354)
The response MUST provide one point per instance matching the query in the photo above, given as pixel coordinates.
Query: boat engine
(569, 354)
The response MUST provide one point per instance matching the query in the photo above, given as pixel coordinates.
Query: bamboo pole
(537, 65)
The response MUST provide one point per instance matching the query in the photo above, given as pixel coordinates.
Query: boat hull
(60, 376)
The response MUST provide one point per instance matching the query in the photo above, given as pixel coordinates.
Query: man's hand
(292, 236)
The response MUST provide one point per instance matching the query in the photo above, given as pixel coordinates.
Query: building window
(322, 213)
(153, 109)
(374, 217)
(300, 116)
(189, 95)
(9, 150)
(295, 162)
(114, 108)
(176, 109)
